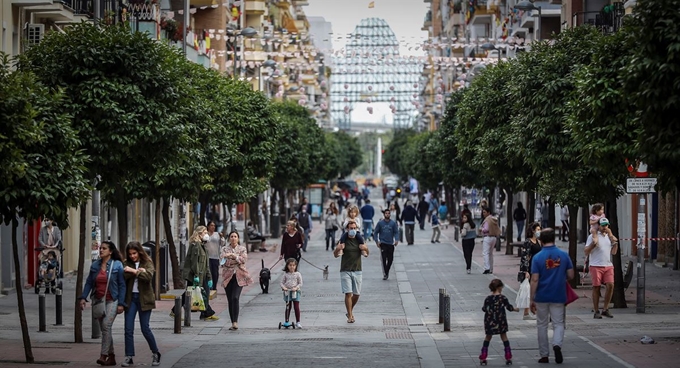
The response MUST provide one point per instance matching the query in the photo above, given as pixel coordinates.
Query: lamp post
(489, 47)
(525, 5)
(269, 63)
(248, 32)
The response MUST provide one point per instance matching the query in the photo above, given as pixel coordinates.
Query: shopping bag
(571, 295)
(523, 295)
(197, 302)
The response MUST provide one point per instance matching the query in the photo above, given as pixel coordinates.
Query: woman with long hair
(106, 284)
(332, 225)
(468, 234)
(235, 274)
(530, 247)
(140, 298)
(196, 270)
(213, 246)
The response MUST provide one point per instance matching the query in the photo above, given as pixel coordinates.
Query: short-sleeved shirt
(600, 256)
(551, 265)
(351, 257)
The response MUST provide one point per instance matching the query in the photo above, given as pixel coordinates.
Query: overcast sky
(405, 17)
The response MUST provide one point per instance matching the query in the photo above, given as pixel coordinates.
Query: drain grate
(398, 335)
(312, 339)
(416, 324)
(321, 311)
(395, 322)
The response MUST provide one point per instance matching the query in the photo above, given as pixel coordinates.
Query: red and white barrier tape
(653, 239)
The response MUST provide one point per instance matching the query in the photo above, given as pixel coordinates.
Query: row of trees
(103, 108)
(563, 120)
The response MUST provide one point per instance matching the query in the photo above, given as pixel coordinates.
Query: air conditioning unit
(34, 34)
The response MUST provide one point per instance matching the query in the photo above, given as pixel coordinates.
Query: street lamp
(248, 32)
(269, 63)
(525, 5)
(489, 47)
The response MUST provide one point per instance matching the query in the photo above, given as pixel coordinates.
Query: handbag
(571, 295)
(335, 227)
(521, 276)
(99, 305)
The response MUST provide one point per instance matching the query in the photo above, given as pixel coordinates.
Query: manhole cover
(394, 322)
(398, 335)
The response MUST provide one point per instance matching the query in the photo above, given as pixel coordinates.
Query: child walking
(436, 232)
(291, 282)
(495, 321)
(596, 213)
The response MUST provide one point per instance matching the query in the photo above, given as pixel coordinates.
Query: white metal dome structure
(371, 72)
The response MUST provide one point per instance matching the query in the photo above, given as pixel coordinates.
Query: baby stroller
(289, 296)
(49, 271)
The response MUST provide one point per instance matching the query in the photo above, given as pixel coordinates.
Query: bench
(510, 248)
(253, 243)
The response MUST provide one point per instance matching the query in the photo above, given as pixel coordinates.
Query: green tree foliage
(652, 81)
(421, 159)
(41, 164)
(348, 153)
(395, 153)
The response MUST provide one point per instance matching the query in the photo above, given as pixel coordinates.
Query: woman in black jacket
(520, 217)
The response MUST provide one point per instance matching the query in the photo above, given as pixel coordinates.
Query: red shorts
(602, 275)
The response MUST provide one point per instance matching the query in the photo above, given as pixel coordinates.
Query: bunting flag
(371, 5)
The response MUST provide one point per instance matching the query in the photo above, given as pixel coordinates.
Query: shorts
(602, 275)
(295, 295)
(350, 282)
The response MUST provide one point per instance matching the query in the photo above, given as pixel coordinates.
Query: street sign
(640, 185)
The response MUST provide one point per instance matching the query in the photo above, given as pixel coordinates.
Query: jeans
(233, 291)
(544, 313)
(409, 233)
(214, 271)
(520, 229)
(468, 248)
(487, 252)
(422, 219)
(330, 238)
(304, 244)
(144, 317)
(386, 256)
(105, 324)
(368, 229)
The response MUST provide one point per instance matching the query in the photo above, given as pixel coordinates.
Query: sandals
(233, 328)
(349, 320)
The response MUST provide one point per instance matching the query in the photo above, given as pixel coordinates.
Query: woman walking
(332, 225)
(196, 270)
(235, 274)
(468, 234)
(530, 247)
(140, 298)
(520, 217)
(291, 242)
(215, 242)
(105, 284)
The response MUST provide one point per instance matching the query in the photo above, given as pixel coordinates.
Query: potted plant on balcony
(172, 30)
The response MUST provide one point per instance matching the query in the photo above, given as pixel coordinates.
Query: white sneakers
(529, 317)
(298, 325)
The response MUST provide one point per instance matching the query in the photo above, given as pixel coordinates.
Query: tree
(395, 152)
(602, 123)
(421, 162)
(348, 153)
(41, 163)
(651, 80)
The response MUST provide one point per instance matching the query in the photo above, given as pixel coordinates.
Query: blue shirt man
(386, 238)
(367, 212)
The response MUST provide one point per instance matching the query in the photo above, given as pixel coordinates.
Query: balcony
(427, 22)
(481, 13)
(255, 7)
(606, 22)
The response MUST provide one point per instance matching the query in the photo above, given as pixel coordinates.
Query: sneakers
(606, 313)
(529, 317)
(558, 354)
(156, 359)
(544, 360)
(487, 272)
(211, 318)
(468, 271)
(127, 362)
(298, 325)
(597, 315)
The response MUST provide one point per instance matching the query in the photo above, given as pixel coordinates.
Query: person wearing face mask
(50, 234)
(386, 238)
(196, 270)
(530, 247)
(351, 248)
(305, 221)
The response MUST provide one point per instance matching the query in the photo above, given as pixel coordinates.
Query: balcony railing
(606, 21)
(112, 11)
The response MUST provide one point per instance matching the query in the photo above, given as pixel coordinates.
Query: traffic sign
(640, 185)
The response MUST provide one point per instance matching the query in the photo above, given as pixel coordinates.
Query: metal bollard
(178, 316)
(41, 313)
(447, 312)
(57, 307)
(187, 309)
(442, 291)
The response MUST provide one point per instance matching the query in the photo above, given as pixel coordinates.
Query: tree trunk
(255, 213)
(20, 294)
(585, 225)
(509, 223)
(619, 297)
(174, 260)
(122, 214)
(203, 210)
(531, 207)
(573, 244)
(551, 214)
(82, 241)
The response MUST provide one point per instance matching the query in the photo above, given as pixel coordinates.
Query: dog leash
(277, 262)
(318, 268)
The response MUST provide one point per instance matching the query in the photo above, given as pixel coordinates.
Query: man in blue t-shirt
(367, 213)
(551, 268)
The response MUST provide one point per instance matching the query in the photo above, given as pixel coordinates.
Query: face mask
(206, 237)
(537, 234)
(304, 210)
(352, 233)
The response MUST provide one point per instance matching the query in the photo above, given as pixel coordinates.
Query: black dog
(265, 276)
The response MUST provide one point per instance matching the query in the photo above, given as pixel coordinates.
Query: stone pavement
(396, 321)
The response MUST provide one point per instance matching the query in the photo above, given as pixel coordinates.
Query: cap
(604, 221)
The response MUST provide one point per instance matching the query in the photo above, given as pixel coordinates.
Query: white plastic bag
(523, 295)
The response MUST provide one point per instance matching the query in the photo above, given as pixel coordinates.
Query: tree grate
(398, 335)
(395, 322)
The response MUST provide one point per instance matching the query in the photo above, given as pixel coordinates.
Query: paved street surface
(396, 320)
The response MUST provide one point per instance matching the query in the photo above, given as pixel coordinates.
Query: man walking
(350, 248)
(550, 270)
(601, 267)
(408, 216)
(565, 222)
(367, 212)
(305, 221)
(490, 231)
(386, 238)
(423, 206)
